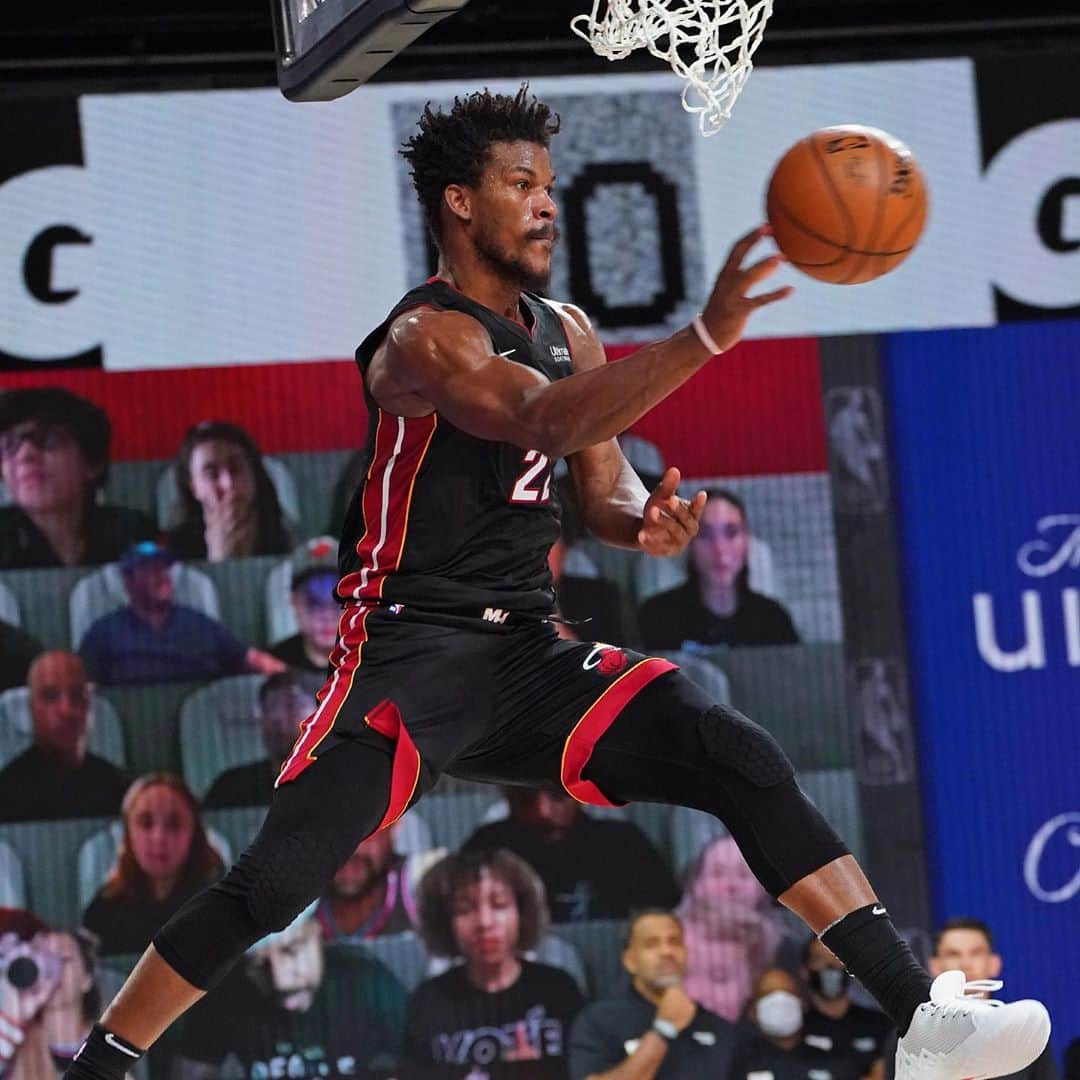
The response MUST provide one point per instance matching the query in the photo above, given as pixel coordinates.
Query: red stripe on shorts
(385, 718)
(587, 732)
(346, 658)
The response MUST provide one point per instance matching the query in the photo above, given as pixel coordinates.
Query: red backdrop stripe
(755, 412)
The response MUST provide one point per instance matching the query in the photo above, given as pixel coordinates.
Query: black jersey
(444, 521)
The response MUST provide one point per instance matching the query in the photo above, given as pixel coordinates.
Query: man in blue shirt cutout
(155, 640)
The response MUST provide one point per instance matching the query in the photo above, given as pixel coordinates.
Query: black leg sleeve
(313, 825)
(673, 744)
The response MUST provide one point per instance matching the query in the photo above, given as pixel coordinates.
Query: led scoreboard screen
(325, 48)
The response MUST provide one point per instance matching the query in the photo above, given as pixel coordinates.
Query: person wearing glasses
(54, 460)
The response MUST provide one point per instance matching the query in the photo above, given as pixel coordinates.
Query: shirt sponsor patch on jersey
(560, 354)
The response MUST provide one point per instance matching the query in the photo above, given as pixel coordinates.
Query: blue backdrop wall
(986, 439)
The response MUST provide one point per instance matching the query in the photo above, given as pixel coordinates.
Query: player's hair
(963, 922)
(644, 913)
(455, 147)
(54, 405)
(460, 870)
(128, 881)
(272, 537)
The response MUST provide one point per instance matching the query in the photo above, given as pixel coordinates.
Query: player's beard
(513, 267)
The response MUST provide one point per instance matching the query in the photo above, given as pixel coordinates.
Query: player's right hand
(729, 306)
(677, 1007)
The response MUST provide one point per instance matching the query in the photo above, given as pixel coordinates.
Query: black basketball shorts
(511, 704)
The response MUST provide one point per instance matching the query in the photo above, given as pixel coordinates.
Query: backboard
(325, 48)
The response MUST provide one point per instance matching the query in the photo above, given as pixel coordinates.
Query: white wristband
(705, 337)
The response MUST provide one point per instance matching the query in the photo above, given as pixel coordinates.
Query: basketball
(847, 204)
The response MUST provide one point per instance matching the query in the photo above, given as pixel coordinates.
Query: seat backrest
(692, 831)
(404, 954)
(219, 728)
(453, 818)
(835, 792)
(9, 606)
(106, 738)
(103, 591)
(412, 834)
(703, 673)
(167, 495)
(280, 619)
(599, 943)
(98, 853)
(12, 885)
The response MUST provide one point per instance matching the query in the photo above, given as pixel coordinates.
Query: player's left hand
(669, 523)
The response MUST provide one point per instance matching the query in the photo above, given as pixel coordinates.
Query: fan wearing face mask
(775, 1049)
(833, 1021)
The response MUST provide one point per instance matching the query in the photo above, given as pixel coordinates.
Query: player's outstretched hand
(729, 305)
(669, 523)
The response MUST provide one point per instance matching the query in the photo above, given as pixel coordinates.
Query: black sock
(104, 1056)
(869, 946)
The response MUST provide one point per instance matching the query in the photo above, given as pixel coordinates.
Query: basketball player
(445, 658)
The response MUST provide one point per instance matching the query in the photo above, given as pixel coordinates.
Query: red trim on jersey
(401, 444)
(346, 659)
(385, 718)
(603, 712)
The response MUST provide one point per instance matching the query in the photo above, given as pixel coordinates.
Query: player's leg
(671, 743)
(314, 823)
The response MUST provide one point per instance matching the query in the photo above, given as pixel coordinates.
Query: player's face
(281, 715)
(160, 827)
(513, 213)
(366, 867)
(485, 920)
(44, 467)
(720, 548)
(221, 473)
(656, 955)
(969, 951)
(60, 705)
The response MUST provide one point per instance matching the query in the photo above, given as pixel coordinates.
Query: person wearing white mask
(775, 1048)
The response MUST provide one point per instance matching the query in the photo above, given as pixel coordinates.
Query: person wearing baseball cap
(315, 607)
(154, 639)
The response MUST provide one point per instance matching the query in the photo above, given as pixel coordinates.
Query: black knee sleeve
(734, 742)
(674, 744)
(313, 826)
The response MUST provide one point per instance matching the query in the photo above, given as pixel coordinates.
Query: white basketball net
(693, 36)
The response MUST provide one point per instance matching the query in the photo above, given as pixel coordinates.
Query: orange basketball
(847, 204)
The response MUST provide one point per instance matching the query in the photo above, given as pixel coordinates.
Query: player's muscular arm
(446, 358)
(611, 495)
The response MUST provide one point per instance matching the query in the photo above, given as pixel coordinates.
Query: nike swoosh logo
(117, 1045)
(509, 352)
(879, 910)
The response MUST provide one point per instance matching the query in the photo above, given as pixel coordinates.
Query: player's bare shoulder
(416, 342)
(586, 350)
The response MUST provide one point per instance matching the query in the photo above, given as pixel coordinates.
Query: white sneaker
(955, 1036)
